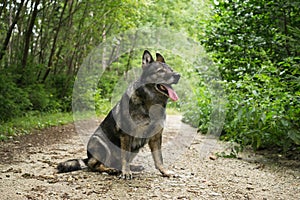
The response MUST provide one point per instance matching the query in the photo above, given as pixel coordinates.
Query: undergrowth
(24, 125)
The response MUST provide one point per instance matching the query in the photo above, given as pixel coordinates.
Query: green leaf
(294, 135)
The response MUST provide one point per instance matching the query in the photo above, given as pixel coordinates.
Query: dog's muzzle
(176, 77)
(167, 90)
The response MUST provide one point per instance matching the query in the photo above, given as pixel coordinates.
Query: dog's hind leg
(97, 166)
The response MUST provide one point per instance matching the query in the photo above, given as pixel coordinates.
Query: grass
(172, 111)
(24, 125)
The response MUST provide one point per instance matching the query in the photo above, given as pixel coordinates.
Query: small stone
(250, 188)
(213, 157)
(215, 194)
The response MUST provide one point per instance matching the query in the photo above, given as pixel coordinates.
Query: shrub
(13, 100)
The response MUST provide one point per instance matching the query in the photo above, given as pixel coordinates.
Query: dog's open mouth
(167, 90)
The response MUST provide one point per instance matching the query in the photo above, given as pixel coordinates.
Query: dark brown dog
(137, 119)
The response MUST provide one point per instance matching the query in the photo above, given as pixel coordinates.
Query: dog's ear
(160, 58)
(147, 59)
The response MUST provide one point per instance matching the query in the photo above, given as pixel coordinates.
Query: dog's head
(159, 74)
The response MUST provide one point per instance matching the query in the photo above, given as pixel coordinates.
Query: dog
(136, 120)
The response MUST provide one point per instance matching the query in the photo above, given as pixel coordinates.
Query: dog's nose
(176, 77)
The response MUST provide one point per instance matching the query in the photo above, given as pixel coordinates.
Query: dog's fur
(137, 119)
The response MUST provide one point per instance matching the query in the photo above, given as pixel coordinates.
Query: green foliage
(198, 111)
(38, 97)
(256, 46)
(39, 64)
(246, 34)
(262, 112)
(102, 105)
(13, 100)
(44, 58)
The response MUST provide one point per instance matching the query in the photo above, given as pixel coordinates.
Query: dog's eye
(161, 70)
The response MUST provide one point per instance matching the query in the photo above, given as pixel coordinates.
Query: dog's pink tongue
(172, 94)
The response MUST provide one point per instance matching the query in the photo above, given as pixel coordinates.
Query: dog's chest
(138, 143)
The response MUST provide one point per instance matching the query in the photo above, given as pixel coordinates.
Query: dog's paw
(126, 175)
(136, 168)
(168, 173)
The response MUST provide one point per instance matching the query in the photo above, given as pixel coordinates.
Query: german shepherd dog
(137, 119)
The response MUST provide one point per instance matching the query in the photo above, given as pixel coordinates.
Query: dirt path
(27, 170)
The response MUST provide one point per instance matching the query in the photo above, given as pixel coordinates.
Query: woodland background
(255, 45)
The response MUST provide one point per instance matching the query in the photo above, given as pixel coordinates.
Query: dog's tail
(72, 165)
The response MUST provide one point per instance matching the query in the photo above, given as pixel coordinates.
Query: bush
(197, 112)
(59, 91)
(14, 101)
(38, 97)
(262, 113)
(260, 66)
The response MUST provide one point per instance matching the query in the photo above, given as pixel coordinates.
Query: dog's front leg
(125, 157)
(155, 146)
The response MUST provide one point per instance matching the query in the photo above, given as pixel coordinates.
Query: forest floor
(27, 170)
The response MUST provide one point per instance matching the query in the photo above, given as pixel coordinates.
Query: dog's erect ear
(160, 58)
(147, 59)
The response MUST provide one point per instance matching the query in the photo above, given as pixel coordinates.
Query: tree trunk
(10, 30)
(27, 40)
(52, 52)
